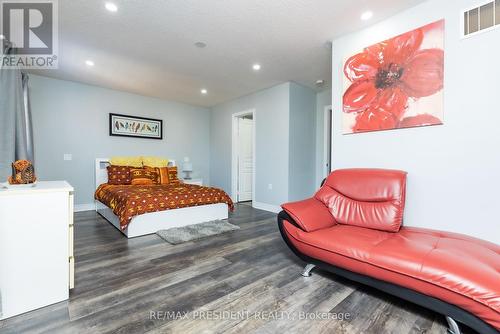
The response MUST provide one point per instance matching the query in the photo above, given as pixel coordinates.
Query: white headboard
(101, 173)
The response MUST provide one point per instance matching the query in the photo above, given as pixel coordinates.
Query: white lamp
(187, 168)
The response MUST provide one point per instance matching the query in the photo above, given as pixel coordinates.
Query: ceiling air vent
(481, 18)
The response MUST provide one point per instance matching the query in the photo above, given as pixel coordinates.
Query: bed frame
(149, 223)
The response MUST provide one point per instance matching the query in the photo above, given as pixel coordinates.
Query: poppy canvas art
(397, 83)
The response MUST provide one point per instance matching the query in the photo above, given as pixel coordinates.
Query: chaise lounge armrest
(310, 214)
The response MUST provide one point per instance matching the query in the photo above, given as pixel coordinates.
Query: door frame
(235, 149)
(328, 114)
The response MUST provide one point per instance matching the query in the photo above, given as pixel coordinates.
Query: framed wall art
(134, 126)
(397, 83)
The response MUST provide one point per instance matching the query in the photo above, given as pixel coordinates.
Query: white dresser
(36, 246)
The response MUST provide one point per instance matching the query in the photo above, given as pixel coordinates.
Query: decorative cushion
(143, 176)
(162, 175)
(172, 175)
(118, 175)
(154, 162)
(126, 161)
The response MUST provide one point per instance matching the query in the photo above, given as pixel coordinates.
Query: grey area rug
(178, 235)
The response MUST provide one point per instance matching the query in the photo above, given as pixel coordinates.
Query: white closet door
(245, 159)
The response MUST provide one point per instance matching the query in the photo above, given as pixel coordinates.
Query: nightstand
(198, 182)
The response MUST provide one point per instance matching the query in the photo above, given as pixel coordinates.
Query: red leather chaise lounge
(352, 227)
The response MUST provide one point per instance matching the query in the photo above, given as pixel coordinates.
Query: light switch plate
(68, 157)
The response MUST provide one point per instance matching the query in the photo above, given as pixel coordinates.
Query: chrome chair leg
(307, 270)
(452, 326)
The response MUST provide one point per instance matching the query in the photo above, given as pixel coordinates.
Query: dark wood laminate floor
(250, 272)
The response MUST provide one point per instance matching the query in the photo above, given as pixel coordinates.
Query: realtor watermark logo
(29, 33)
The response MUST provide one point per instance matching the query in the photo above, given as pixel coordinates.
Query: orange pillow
(143, 176)
(172, 175)
(162, 175)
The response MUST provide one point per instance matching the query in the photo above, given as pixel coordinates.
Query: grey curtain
(16, 136)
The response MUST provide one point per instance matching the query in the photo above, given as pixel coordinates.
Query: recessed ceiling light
(256, 67)
(89, 63)
(111, 7)
(200, 45)
(204, 91)
(366, 15)
(320, 82)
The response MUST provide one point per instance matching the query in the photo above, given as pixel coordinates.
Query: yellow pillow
(155, 162)
(126, 161)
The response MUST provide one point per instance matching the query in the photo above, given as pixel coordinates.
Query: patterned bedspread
(128, 201)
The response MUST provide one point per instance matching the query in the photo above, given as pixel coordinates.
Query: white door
(245, 159)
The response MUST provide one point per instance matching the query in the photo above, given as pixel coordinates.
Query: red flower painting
(397, 83)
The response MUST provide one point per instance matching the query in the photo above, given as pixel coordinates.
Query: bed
(150, 222)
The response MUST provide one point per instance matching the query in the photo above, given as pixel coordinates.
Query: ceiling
(147, 47)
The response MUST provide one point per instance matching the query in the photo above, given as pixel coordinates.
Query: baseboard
(266, 207)
(84, 207)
